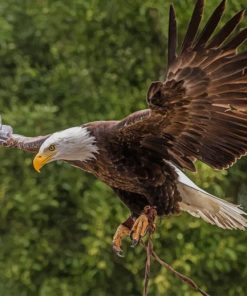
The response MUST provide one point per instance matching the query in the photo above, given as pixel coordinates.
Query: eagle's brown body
(137, 175)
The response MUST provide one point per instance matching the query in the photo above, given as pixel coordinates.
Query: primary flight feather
(199, 112)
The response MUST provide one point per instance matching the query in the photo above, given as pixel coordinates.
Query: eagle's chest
(128, 171)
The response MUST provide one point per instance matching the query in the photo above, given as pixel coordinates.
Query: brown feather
(193, 25)
(237, 40)
(172, 36)
(227, 29)
(200, 110)
(211, 25)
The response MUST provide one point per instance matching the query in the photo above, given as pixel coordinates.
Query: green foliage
(63, 63)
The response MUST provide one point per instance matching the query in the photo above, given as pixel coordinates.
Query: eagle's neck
(88, 148)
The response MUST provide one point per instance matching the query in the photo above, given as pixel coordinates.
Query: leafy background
(63, 63)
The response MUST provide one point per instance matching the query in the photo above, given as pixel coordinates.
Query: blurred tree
(63, 63)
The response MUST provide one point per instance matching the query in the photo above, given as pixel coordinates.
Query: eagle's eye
(52, 148)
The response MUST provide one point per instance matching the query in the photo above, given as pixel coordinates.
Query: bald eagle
(199, 112)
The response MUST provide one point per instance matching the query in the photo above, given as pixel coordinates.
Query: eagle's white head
(75, 143)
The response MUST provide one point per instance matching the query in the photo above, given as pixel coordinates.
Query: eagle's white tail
(210, 208)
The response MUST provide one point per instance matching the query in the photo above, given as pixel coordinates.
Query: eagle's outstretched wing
(8, 139)
(200, 110)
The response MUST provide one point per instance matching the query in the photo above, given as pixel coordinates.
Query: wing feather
(193, 25)
(200, 110)
(211, 25)
(237, 40)
(172, 37)
(227, 29)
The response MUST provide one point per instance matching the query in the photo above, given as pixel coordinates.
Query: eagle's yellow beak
(40, 160)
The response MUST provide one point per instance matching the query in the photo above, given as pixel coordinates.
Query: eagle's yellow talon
(118, 251)
(139, 228)
(144, 223)
(120, 233)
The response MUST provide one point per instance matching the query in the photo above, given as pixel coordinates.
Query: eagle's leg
(144, 223)
(122, 231)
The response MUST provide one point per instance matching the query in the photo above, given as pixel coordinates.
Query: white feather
(75, 143)
(211, 209)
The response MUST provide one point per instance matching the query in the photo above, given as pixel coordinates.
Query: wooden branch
(151, 253)
(149, 250)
